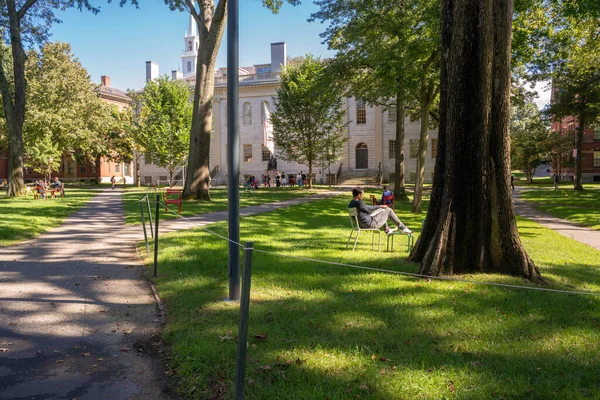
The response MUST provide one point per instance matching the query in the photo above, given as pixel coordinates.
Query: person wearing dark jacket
(375, 216)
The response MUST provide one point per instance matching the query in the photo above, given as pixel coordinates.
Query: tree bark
(211, 28)
(578, 184)
(427, 94)
(471, 225)
(14, 104)
(399, 188)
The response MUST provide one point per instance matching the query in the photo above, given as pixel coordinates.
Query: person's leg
(380, 219)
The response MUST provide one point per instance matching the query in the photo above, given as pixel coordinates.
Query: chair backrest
(173, 192)
(353, 214)
(389, 200)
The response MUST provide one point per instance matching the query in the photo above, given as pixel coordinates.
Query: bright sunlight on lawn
(581, 208)
(321, 331)
(24, 217)
(218, 196)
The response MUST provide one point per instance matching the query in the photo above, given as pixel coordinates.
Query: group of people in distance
(41, 187)
(281, 179)
(376, 216)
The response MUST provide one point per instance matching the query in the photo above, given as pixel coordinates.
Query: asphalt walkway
(78, 319)
(581, 234)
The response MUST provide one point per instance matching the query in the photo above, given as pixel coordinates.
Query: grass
(24, 217)
(319, 331)
(218, 196)
(582, 208)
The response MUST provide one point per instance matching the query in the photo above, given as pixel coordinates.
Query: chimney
(176, 75)
(151, 71)
(278, 56)
(105, 80)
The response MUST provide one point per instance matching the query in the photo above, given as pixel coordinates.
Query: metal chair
(353, 214)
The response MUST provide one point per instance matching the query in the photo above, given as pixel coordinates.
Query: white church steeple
(190, 50)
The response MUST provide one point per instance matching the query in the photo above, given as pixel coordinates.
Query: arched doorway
(362, 156)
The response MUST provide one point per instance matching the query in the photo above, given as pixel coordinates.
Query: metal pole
(156, 237)
(240, 364)
(144, 225)
(233, 150)
(149, 214)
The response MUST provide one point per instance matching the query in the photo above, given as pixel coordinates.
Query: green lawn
(24, 217)
(319, 331)
(582, 208)
(218, 196)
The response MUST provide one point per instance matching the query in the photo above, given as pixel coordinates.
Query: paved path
(77, 318)
(581, 234)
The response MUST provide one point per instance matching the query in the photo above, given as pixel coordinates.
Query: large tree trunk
(399, 189)
(14, 112)
(578, 184)
(426, 92)
(197, 183)
(471, 225)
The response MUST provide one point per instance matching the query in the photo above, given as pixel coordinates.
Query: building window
(597, 159)
(147, 180)
(266, 154)
(247, 153)
(189, 66)
(412, 177)
(126, 169)
(82, 169)
(362, 156)
(392, 112)
(117, 167)
(391, 149)
(247, 114)
(414, 148)
(361, 112)
(434, 148)
(597, 133)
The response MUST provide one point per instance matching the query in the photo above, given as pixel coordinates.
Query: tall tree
(24, 22)
(470, 224)
(387, 55)
(528, 134)
(559, 41)
(62, 106)
(309, 116)
(165, 122)
(211, 19)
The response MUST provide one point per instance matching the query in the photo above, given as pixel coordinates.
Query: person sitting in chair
(386, 193)
(375, 216)
(56, 186)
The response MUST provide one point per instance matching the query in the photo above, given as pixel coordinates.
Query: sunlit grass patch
(330, 331)
(24, 217)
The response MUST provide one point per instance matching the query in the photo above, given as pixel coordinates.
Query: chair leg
(373, 241)
(356, 240)
(349, 238)
(379, 242)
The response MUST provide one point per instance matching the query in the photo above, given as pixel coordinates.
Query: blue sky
(118, 41)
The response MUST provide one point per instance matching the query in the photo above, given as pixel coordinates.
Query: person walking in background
(277, 179)
(375, 216)
(299, 179)
(112, 181)
(512, 181)
(556, 182)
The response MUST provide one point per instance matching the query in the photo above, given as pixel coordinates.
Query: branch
(21, 13)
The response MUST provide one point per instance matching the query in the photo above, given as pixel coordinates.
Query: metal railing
(270, 76)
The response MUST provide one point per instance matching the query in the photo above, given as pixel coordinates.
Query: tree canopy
(309, 117)
(163, 131)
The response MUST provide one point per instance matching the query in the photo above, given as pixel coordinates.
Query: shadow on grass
(336, 332)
